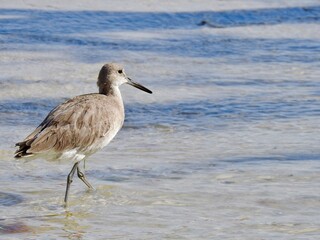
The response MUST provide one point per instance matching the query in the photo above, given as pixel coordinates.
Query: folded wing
(75, 124)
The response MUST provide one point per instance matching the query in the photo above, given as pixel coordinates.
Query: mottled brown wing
(73, 124)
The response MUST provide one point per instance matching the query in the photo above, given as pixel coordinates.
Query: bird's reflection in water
(72, 227)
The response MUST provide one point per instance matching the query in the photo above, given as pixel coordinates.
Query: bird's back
(83, 125)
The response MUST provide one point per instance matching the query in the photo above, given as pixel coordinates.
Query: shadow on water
(82, 28)
(196, 115)
(14, 228)
(69, 223)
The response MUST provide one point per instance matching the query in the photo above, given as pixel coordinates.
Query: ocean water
(227, 146)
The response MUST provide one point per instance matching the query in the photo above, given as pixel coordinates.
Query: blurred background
(227, 147)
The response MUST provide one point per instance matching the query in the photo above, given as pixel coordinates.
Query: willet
(82, 125)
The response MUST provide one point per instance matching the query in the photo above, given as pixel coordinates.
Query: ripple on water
(209, 114)
(9, 199)
(25, 111)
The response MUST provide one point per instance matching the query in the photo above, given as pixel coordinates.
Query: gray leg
(69, 181)
(83, 178)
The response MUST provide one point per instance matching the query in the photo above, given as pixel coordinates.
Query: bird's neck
(112, 91)
(109, 90)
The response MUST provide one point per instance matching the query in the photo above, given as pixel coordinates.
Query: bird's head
(113, 75)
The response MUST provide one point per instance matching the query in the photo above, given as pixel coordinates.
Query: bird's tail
(23, 148)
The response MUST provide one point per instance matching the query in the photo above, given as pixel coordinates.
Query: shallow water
(227, 147)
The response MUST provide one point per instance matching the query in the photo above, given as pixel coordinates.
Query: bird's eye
(120, 71)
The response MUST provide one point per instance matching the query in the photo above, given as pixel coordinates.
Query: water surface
(227, 147)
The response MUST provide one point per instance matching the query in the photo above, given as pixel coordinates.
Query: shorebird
(81, 126)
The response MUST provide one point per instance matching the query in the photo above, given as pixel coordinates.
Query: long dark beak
(139, 86)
